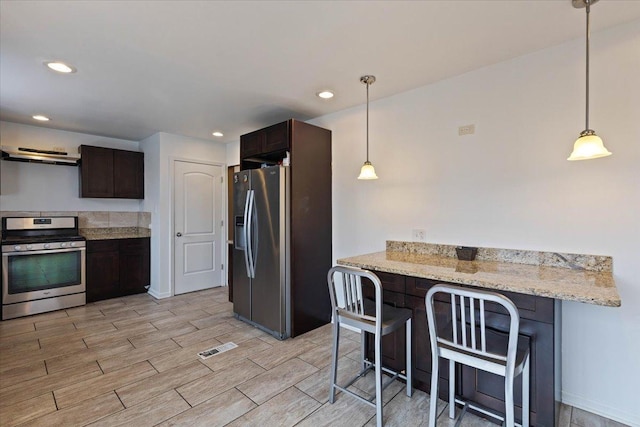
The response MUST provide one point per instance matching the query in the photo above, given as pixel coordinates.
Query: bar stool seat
(392, 317)
(461, 337)
(350, 307)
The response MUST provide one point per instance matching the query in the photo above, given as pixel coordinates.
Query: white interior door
(198, 227)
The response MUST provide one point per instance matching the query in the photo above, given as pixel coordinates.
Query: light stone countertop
(583, 278)
(114, 233)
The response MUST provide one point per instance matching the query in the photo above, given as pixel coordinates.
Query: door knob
(179, 234)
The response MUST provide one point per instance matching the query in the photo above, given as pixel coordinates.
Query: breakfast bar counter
(536, 282)
(571, 277)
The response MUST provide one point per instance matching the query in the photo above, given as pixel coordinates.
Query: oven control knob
(29, 247)
(63, 245)
(72, 244)
(47, 246)
(17, 248)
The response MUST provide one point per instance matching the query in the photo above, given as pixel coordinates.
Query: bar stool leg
(363, 347)
(334, 361)
(525, 393)
(452, 389)
(508, 401)
(378, 366)
(433, 399)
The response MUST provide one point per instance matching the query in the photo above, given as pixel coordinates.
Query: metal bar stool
(461, 337)
(351, 308)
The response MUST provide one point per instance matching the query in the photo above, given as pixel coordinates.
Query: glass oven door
(28, 276)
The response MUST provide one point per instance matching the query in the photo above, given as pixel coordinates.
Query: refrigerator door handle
(249, 229)
(246, 232)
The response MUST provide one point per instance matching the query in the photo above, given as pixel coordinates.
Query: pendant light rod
(367, 121)
(368, 80)
(367, 171)
(579, 4)
(588, 8)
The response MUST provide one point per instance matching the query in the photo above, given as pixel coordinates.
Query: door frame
(223, 230)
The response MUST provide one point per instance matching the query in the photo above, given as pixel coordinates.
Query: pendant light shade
(367, 171)
(588, 145)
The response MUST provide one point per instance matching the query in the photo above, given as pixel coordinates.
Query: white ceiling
(192, 67)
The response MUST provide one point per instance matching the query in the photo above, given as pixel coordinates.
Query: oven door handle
(45, 251)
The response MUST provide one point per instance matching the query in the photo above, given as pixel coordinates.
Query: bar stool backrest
(465, 329)
(347, 300)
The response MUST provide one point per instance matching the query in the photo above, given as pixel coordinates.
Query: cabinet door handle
(179, 234)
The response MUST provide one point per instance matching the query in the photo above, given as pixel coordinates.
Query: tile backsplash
(144, 219)
(94, 219)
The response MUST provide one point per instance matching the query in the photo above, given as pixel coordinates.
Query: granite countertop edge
(591, 287)
(110, 233)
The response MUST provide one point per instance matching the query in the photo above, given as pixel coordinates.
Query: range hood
(36, 155)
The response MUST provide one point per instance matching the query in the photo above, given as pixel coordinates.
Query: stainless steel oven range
(43, 265)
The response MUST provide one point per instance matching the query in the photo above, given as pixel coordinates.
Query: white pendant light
(588, 145)
(367, 171)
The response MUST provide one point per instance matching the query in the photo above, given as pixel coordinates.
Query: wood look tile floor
(133, 361)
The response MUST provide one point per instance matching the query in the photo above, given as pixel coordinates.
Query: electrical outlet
(419, 235)
(466, 130)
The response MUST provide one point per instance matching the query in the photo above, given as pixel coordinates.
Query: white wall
(40, 187)
(160, 151)
(510, 186)
(233, 153)
(151, 203)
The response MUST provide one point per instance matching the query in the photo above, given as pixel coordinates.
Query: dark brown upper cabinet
(111, 173)
(128, 174)
(272, 142)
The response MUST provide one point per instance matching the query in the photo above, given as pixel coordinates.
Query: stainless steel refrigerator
(261, 255)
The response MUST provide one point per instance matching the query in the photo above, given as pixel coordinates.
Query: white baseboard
(159, 295)
(616, 414)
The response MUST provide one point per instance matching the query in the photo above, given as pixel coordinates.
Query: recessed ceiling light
(41, 118)
(60, 67)
(325, 94)
(218, 134)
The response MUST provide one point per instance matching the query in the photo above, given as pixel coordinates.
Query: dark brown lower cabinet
(135, 265)
(103, 270)
(117, 267)
(536, 327)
